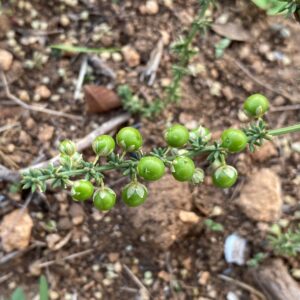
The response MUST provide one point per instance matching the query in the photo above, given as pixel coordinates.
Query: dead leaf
(232, 31)
(100, 99)
(15, 230)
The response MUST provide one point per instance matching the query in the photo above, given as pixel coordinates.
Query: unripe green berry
(183, 168)
(234, 140)
(103, 145)
(82, 190)
(256, 105)
(104, 199)
(151, 168)
(129, 139)
(225, 176)
(177, 136)
(67, 147)
(134, 194)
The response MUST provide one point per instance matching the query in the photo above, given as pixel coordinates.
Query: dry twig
(33, 107)
(260, 82)
(244, 286)
(144, 293)
(12, 176)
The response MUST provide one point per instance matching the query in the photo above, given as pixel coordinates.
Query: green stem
(285, 130)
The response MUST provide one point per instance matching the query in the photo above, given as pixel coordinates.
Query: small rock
(23, 95)
(43, 92)
(113, 256)
(164, 276)
(100, 99)
(203, 278)
(116, 57)
(188, 217)
(64, 20)
(77, 214)
(260, 198)
(46, 133)
(53, 295)
(227, 92)
(232, 31)
(6, 60)
(15, 230)
(265, 152)
(64, 223)
(216, 211)
(151, 7)
(131, 56)
(168, 3)
(52, 240)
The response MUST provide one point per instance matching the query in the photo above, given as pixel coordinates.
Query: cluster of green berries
(151, 167)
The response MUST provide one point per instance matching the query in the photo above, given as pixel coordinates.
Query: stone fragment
(6, 60)
(260, 198)
(15, 230)
(131, 56)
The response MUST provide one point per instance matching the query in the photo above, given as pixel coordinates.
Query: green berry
(151, 168)
(129, 139)
(134, 194)
(177, 136)
(67, 147)
(82, 190)
(103, 145)
(256, 105)
(104, 199)
(183, 168)
(234, 140)
(225, 176)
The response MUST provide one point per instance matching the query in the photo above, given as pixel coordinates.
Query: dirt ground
(171, 258)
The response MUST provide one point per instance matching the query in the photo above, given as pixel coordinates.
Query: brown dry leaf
(15, 230)
(100, 99)
(232, 31)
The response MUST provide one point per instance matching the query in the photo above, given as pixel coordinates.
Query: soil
(188, 266)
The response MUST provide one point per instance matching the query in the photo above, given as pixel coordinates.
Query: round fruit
(103, 145)
(82, 190)
(201, 132)
(183, 168)
(134, 194)
(177, 136)
(129, 139)
(225, 176)
(151, 168)
(256, 105)
(104, 199)
(67, 147)
(234, 140)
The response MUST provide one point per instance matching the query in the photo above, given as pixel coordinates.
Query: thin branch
(260, 82)
(9, 126)
(243, 285)
(13, 176)
(87, 140)
(33, 107)
(136, 280)
(285, 108)
(66, 258)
